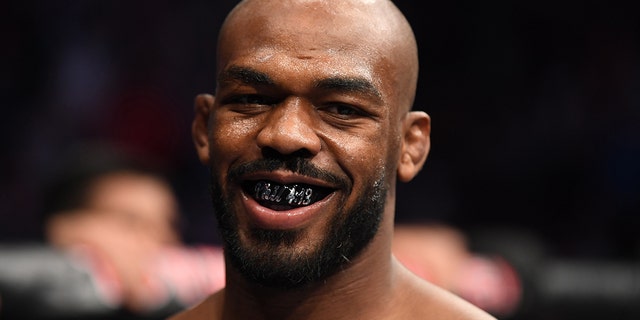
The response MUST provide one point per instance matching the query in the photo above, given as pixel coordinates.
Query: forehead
(308, 39)
(312, 23)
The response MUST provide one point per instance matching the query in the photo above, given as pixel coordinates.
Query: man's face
(138, 203)
(303, 147)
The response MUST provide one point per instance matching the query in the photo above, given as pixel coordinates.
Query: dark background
(535, 108)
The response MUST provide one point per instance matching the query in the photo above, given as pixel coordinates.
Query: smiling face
(304, 136)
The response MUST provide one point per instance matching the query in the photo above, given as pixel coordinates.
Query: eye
(343, 111)
(249, 99)
(248, 104)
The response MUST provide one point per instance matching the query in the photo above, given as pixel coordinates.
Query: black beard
(275, 262)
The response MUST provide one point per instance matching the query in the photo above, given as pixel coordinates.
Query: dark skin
(321, 81)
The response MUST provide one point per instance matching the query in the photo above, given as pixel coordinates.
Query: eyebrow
(251, 76)
(350, 84)
(245, 75)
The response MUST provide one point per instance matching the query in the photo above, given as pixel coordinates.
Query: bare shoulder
(208, 309)
(423, 300)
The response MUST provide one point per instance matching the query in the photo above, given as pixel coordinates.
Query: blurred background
(535, 110)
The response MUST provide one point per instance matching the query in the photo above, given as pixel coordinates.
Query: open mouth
(280, 197)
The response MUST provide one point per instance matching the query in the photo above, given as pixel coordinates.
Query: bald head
(372, 31)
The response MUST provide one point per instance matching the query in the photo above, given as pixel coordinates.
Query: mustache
(299, 166)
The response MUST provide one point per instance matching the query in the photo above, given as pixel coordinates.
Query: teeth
(284, 197)
(295, 195)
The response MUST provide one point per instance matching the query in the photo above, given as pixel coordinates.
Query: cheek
(230, 137)
(364, 155)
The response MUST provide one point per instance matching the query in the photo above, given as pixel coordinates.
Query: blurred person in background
(442, 254)
(112, 247)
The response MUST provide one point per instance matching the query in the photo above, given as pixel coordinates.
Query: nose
(289, 129)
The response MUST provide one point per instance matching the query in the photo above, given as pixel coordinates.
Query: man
(308, 132)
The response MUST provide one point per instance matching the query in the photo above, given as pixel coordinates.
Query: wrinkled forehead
(308, 29)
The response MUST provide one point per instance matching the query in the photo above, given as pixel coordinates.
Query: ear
(200, 126)
(415, 144)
